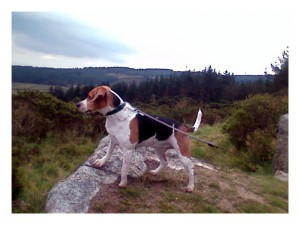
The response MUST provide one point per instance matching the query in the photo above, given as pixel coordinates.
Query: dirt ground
(215, 192)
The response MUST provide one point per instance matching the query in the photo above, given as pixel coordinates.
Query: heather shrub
(35, 113)
(252, 128)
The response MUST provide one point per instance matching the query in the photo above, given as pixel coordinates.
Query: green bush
(253, 128)
(34, 114)
(211, 116)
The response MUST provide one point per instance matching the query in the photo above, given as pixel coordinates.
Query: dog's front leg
(125, 167)
(101, 162)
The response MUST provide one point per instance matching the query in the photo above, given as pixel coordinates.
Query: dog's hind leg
(162, 159)
(182, 145)
(189, 167)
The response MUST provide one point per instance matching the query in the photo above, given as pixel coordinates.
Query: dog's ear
(100, 95)
(97, 94)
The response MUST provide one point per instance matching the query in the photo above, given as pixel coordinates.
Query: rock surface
(280, 175)
(280, 160)
(73, 194)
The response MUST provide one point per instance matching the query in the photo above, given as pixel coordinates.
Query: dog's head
(98, 100)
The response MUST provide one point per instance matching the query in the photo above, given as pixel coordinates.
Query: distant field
(125, 78)
(28, 86)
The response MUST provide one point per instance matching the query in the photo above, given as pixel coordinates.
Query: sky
(243, 37)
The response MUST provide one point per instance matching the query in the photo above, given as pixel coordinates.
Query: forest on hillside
(87, 75)
(96, 75)
(204, 86)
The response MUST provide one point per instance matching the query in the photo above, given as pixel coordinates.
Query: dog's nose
(78, 104)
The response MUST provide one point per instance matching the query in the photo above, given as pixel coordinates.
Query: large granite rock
(280, 160)
(73, 194)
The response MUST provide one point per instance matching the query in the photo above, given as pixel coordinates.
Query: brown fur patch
(109, 96)
(98, 98)
(183, 142)
(134, 131)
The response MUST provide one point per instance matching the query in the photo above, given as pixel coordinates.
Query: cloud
(55, 34)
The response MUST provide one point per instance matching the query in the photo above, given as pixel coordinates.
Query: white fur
(83, 106)
(186, 162)
(198, 120)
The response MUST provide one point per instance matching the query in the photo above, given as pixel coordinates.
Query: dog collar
(118, 109)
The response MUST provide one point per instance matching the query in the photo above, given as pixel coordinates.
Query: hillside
(89, 75)
(97, 75)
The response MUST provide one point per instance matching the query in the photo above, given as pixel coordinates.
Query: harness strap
(174, 128)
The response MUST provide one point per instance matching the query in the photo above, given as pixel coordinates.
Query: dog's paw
(189, 189)
(98, 163)
(122, 184)
(153, 172)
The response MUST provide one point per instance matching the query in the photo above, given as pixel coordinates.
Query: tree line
(202, 86)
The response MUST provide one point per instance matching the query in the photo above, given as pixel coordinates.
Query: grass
(37, 167)
(230, 190)
(275, 192)
(152, 195)
(131, 192)
(251, 206)
(16, 86)
(225, 156)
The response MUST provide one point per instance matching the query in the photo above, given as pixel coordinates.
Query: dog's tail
(197, 122)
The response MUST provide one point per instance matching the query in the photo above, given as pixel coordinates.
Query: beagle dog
(130, 130)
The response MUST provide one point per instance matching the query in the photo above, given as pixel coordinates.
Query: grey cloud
(55, 34)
